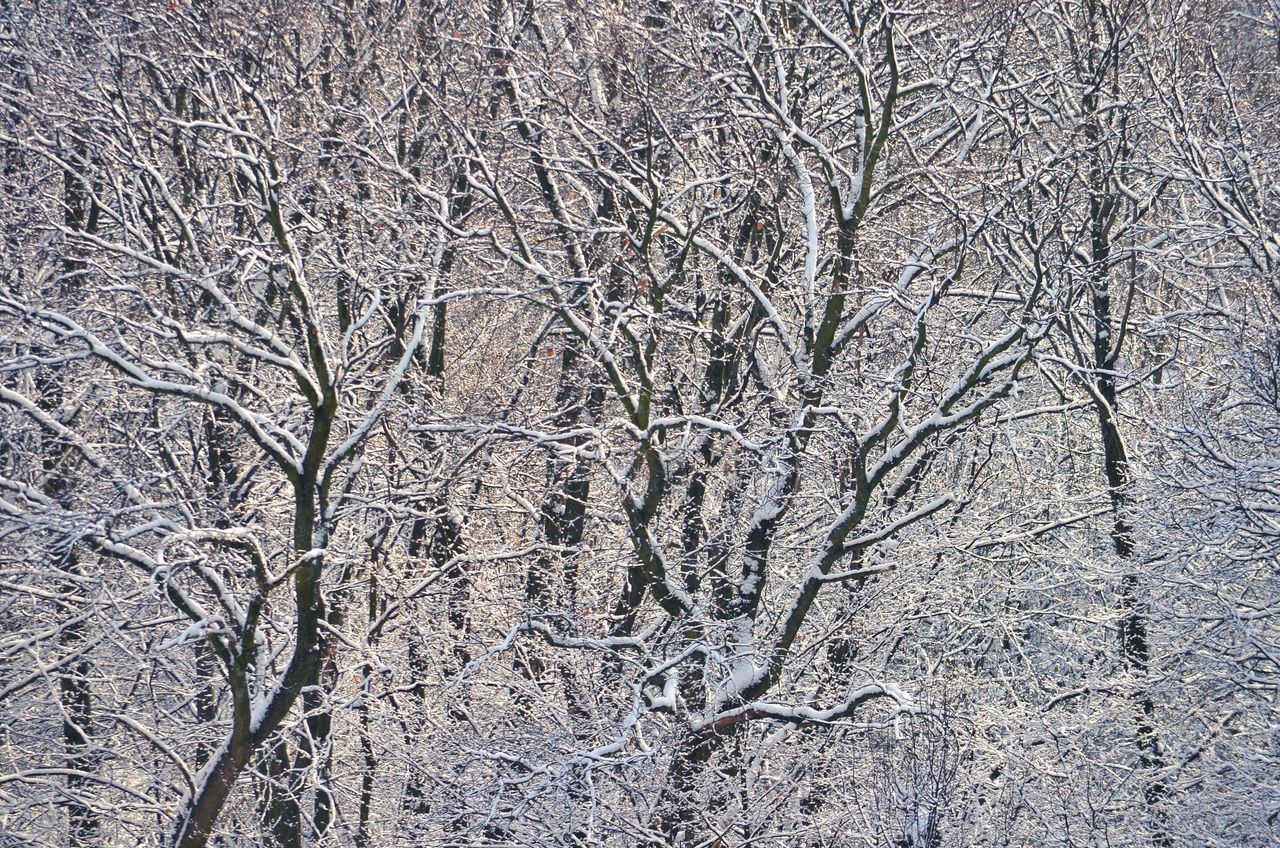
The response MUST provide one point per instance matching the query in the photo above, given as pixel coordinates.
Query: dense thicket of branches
(557, 423)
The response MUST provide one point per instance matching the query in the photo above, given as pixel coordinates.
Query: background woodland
(634, 422)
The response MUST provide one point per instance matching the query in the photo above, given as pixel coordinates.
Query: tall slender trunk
(206, 704)
(368, 757)
(252, 728)
(75, 696)
(1135, 651)
(1108, 337)
(77, 734)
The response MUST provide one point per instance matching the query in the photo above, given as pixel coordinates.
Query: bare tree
(637, 422)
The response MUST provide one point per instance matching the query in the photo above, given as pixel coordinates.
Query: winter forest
(714, 423)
